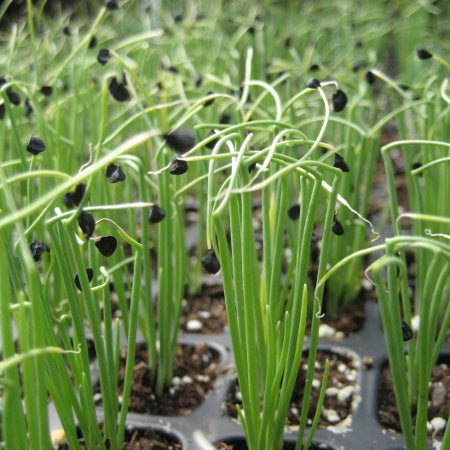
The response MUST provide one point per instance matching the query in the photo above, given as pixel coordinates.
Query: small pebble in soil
(330, 415)
(345, 393)
(204, 314)
(367, 285)
(438, 423)
(332, 391)
(325, 331)
(186, 379)
(438, 394)
(316, 383)
(58, 437)
(194, 325)
(367, 362)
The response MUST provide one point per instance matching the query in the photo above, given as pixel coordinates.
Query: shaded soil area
(139, 439)
(438, 398)
(240, 444)
(195, 370)
(341, 387)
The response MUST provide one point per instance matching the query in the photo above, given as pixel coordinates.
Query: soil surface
(195, 370)
(140, 439)
(239, 444)
(438, 396)
(205, 312)
(341, 387)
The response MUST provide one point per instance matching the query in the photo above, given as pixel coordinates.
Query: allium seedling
(180, 140)
(114, 174)
(156, 214)
(313, 83)
(106, 245)
(86, 223)
(103, 56)
(339, 100)
(337, 227)
(38, 248)
(294, 212)
(210, 262)
(35, 145)
(90, 275)
(339, 162)
(178, 166)
(118, 90)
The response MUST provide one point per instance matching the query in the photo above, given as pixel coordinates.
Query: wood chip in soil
(438, 396)
(194, 373)
(341, 388)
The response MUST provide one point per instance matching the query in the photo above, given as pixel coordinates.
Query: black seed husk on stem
(46, 90)
(422, 53)
(106, 245)
(103, 56)
(35, 145)
(37, 248)
(28, 107)
(118, 90)
(156, 214)
(339, 100)
(337, 227)
(93, 42)
(211, 144)
(178, 166)
(114, 173)
(370, 77)
(13, 97)
(294, 212)
(86, 223)
(339, 162)
(72, 199)
(90, 275)
(313, 83)
(180, 140)
(2, 110)
(208, 102)
(210, 262)
(407, 333)
(111, 5)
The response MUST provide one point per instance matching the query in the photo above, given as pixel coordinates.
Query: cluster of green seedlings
(276, 139)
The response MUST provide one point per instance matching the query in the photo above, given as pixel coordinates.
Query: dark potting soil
(195, 370)
(240, 444)
(438, 396)
(205, 312)
(140, 439)
(341, 387)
